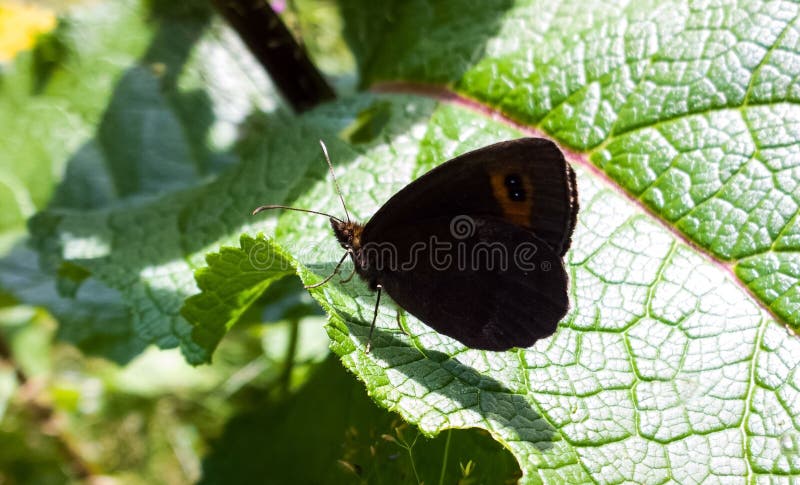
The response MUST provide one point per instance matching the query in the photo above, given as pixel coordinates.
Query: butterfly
(473, 248)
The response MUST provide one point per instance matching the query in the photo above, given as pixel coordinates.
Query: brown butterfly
(474, 247)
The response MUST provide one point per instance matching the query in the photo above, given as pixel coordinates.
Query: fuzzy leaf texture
(678, 359)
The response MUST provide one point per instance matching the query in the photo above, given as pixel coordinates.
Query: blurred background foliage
(275, 406)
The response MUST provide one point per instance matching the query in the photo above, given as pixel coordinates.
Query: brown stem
(44, 415)
(270, 41)
(5, 355)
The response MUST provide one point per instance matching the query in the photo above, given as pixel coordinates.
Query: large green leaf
(690, 108)
(124, 101)
(679, 119)
(116, 76)
(51, 100)
(663, 357)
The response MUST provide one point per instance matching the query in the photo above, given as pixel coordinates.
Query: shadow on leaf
(353, 441)
(409, 368)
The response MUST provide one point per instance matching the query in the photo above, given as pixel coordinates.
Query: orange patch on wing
(518, 212)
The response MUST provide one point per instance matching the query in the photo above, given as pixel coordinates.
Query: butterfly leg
(349, 277)
(335, 270)
(374, 317)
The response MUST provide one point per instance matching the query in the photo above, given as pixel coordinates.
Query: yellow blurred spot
(20, 25)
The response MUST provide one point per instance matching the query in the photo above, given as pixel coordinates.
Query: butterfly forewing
(526, 182)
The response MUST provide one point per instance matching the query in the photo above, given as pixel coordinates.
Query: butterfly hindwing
(492, 286)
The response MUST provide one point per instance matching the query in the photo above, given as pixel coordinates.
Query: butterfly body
(474, 247)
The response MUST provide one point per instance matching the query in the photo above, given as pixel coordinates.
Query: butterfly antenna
(268, 207)
(335, 182)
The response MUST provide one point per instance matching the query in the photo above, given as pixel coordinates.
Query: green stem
(291, 352)
(444, 460)
(413, 465)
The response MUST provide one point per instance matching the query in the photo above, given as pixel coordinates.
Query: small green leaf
(233, 280)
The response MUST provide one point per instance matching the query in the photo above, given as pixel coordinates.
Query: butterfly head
(347, 233)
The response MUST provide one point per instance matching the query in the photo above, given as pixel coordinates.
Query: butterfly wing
(526, 182)
(490, 284)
